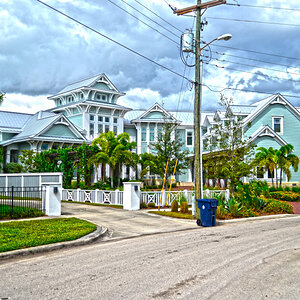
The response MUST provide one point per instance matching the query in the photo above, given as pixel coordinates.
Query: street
(242, 260)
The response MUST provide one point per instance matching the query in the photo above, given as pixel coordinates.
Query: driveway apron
(122, 223)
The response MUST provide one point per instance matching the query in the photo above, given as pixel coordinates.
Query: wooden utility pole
(198, 95)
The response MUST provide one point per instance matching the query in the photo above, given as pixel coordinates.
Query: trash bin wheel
(199, 222)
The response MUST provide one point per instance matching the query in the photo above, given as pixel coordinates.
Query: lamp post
(197, 115)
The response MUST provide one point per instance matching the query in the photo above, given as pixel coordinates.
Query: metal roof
(242, 109)
(13, 120)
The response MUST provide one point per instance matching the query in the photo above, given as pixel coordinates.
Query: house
(85, 109)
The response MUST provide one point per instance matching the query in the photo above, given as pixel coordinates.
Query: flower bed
(285, 196)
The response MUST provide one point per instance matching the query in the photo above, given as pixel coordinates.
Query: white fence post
(52, 200)
(131, 195)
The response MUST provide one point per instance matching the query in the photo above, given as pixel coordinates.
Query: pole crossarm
(201, 6)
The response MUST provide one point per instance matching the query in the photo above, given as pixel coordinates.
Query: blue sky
(41, 52)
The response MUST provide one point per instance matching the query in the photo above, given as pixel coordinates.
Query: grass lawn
(18, 212)
(178, 215)
(95, 204)
(24, 234)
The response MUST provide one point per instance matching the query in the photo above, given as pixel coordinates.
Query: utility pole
(198, 94)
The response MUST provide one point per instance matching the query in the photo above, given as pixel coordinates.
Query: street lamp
(197, 115)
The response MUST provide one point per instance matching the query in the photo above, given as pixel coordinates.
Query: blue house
(85, 109)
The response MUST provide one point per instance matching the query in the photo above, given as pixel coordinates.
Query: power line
(158, 16)
(252, 59)
(261, 6)
(253, 21)
(112, 40)
(257, 52)
(245, 90)
(261, 74)
(149, 18)
(253, 66)
(113, 3)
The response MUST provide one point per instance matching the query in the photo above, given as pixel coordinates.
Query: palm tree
(286, 159)
(267, 159)
(114, 151)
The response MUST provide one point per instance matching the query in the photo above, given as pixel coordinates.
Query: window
(144, 134)
(152, 134)
(116, 120)
(106, 128)
(103, 98)
(106, 119)
(14, 156)
(278, 124)
(189, 138)
(91, 128)
(260, 172)
(92, 117)
(100, 119)
(100, 128)
(115, 130)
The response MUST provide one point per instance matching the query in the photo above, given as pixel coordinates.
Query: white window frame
(186, 137)
(281, 123)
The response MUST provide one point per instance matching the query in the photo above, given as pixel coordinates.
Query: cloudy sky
(42, 51)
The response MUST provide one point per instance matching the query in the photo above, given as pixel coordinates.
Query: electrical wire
(252, 59)
(112, 40)
(246, 90)
(248, 72)
(253, 66)
(113, 3)
(253, 21)
(257, 52)
(158, 16)
(262, 6)
(149, 18)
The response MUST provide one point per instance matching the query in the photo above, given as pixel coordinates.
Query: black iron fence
(16, 202)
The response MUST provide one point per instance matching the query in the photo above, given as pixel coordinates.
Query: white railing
(214, 193)
(147, 197)
(93, 196)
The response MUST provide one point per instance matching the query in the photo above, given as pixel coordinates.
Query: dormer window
(278, 124)
(101, 97)
(70, 99)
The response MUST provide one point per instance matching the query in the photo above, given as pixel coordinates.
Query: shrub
(233, 207)
(277, 207)
(285, 196)
(174, 206)
(296, 189)
(13, 168)
(151, 205)
(221, 212)
(184, 207)
(287, 189)
(143, 205)
(182, 199)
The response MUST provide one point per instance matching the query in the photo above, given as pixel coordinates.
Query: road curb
(100, 232)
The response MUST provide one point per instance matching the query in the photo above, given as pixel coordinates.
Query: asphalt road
(243, 260)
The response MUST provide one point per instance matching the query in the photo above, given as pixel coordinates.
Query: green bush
(151, 205)
(182, 199)
(184, 207)
(221, 212)
(13, 168)
(174, 206)
(233, 207)
(285, 196)
(296, 189)
(143, 205)
(277, 207)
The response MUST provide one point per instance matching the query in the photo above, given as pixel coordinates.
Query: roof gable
(264, 104)
(269, 132)
(156, 113)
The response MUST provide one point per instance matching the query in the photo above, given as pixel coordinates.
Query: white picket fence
(116, 197)
(93, 196)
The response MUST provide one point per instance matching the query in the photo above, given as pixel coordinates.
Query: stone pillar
(51, 203)
(132, 195)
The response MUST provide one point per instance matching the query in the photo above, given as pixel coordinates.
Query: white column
(131, 195)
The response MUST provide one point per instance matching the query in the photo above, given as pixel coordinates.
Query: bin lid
(212, 202)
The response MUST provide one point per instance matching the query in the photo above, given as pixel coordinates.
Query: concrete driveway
(125, 224)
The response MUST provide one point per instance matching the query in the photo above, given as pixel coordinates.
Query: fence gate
(21, 201)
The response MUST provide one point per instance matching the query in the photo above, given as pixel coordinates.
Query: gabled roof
(155, 108)
(40, 123)
(263, 104)
(88, 82)
(241, 109)
(13, 120)
(266, 130)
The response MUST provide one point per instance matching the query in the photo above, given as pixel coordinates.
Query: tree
(2, 96)
(28, 160)
(169, 147)
(113, 150)
(229, 152)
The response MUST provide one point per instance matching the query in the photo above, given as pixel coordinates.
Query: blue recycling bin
(208, 208)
